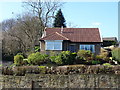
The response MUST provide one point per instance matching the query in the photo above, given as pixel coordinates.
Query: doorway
(72, 48)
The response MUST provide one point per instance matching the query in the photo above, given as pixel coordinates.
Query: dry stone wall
(61, 81)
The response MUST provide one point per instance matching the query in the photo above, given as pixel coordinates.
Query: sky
(102, 15)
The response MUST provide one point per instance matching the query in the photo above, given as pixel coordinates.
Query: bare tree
(44, 9)
(10, 46)
(23, 33)
(30, 29)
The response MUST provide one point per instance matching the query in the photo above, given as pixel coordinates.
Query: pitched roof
(73, 34)
(55, 36)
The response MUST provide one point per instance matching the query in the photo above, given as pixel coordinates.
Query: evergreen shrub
(18, 60)
(37, 58)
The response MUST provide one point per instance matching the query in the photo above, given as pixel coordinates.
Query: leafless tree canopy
(23, 33)
(44, 9)
(20, 35)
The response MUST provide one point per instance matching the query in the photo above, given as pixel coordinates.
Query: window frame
(88, 48)
(53, 44)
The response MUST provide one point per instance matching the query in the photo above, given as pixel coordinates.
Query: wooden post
(32, 85)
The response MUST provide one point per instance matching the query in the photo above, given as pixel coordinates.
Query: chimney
(62, 29)
(44, 32)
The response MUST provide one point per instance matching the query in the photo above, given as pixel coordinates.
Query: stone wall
(61, 81)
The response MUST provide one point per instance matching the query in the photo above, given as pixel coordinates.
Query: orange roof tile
(73, 34)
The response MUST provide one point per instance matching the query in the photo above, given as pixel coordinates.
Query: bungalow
(71, 39)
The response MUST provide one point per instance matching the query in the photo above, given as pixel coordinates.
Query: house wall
(42, 50)
(97, 49)
(42, 46)
(66, 45)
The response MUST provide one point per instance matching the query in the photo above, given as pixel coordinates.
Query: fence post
(32, 85)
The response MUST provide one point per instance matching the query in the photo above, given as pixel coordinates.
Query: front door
(72, 48)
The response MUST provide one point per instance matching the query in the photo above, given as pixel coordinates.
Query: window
(88, 47)
(53, 44)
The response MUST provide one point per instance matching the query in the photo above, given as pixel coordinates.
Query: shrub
(102, 59)
(53, 53)
(25, 61)
(116, 54)
(65, 58)
(18, 60)
(99, 57)
(94, 62)
(85, 54)
(79, 60)
(103, 56)
(56, 59)
(37, 48)
(107, 64)
(104, 53)
(85, 57)
(37, 58)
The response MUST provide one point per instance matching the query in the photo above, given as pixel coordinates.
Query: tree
(44, 10)
(30, 28)
(20, 35)
(59, 19)
(10, 43)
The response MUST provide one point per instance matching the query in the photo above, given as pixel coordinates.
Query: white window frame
(89, 46)
(53, 42)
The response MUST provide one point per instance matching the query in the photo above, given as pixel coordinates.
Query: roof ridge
(61, 35)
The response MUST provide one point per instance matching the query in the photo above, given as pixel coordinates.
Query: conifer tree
(59, 20)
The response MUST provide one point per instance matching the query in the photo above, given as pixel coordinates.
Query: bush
(94, 62)
(107, 64)
(79, 60)
(53, 53)
(56, 59)
(67, 57)
(37, 58)
(102, 59)
(104, 53)
(99, 57)
(64, 58)
(18, 60)
(116, 54)
(25, 61)
(85, 54)
(103, 56)
(37, 48)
